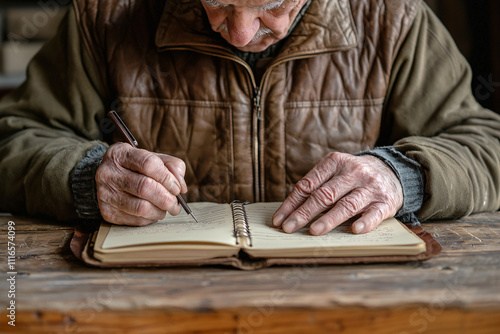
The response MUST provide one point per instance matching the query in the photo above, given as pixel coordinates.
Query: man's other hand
(342, 186)
(138, 187)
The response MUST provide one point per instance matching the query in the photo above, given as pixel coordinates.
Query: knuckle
(150, 163)
(380, 211)
(305, 186)
(108, 213)
(165, 202)
(117, 151)
(174, 162)
(162, 202)
(145, 187)
(159, 171)
(362, 170)
(385, 197)
(142, 208)
(325, 196)
(104, 195)
(111, 151)
(367, 175)
(168, 179)
(378, 215)
(338, 160)
(102, 174)
(181, 165)
(376, 178)
(351, 205)
(333, 156)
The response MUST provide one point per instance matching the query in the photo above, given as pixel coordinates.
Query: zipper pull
(256, 104)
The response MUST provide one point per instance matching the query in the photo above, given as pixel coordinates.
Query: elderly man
(357, 108)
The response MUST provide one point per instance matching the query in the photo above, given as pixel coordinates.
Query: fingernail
(359, 227)
(278, 219)
(289, 226)
(318, 228)
(175, 188)
(183, 185)
(175, 210)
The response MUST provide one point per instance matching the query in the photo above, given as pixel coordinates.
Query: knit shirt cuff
(84, 186)
(411, 177)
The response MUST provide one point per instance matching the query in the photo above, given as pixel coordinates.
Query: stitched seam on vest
(335, 103)
(167, 102)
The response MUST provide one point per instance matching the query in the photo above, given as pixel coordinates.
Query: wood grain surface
(455, 292)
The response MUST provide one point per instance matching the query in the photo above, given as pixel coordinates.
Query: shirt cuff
(411, 176)
(84, 187)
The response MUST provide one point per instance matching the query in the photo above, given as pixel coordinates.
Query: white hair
(268, 6)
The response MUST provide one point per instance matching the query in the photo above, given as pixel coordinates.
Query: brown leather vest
(182, 91)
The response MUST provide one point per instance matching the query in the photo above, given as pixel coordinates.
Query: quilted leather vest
(182, 91)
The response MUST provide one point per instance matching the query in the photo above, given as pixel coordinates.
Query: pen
(118, 122)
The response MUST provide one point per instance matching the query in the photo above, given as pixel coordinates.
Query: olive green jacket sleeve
(433, 118)
(46, 127)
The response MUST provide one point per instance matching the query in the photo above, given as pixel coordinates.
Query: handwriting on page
(177, 226)
(266, 236)
(215, 226)
(341, 234)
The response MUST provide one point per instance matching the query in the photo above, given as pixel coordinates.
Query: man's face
(252, 25)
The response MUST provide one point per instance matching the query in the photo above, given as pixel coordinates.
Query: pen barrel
(184, 205)
(120, 125)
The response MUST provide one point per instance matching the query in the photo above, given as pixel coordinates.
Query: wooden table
(456, 292)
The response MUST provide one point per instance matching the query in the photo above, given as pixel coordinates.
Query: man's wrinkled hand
(138, 187)
(342, 186)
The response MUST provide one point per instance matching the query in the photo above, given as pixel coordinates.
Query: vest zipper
(256, 114)
(256, 124)
(257, 106)
(256, 118)
(256, 103)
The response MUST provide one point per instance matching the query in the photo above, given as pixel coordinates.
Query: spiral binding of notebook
(240, 223)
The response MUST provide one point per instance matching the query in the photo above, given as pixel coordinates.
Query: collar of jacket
(327, 26)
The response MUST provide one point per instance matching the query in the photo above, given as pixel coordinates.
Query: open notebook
(242, 235)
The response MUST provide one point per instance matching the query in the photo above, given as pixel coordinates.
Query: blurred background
(475, 25)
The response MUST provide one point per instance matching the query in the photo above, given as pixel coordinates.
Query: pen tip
(196, 220)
